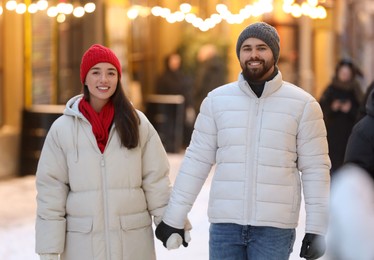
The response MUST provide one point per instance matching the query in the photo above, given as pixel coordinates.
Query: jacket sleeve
(314, 165)
(52, 189)
(360, 149)
(155, 173)
(195, 167)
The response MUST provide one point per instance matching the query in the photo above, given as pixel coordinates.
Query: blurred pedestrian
(340, 103)
(360, 146)
(267, 140)
(174, 81)
(351, 232)
(211, 73)
(102, 174)
(362, 112)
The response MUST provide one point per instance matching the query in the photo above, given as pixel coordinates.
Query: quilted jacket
(265, 151)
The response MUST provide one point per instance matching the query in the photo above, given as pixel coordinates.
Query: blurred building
(40, 50)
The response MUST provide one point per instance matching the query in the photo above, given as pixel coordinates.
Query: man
(267, 139)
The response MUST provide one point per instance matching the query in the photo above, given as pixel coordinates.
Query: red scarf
(100, 122)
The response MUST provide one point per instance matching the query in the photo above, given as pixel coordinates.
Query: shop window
(141, 47)
(42, 60)
(69, 52)
(56, 52)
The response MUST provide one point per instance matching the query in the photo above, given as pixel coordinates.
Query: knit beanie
(96, 54)
(264, 32)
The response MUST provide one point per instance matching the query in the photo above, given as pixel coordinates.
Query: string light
(89, 7)
(310, 8)
(185, 13)
(42, 5)
(60, 10)
(21, 8)
(11, 5)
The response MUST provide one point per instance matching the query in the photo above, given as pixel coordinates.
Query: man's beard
(256, 74)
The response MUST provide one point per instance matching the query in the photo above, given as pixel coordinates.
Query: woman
(102, 174)
(340, 104)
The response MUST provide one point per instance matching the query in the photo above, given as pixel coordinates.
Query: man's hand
(313, 246)
(171, 237)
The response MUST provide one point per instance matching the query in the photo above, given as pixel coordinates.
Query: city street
(17, 215)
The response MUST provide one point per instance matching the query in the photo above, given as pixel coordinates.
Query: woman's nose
(103, 77)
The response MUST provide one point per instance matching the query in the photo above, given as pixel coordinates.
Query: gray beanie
(264, 32)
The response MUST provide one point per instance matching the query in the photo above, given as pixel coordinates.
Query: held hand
(346, 106)
(48, 257)
(313, 246)
(175, 240)
(335, 105)
(171, 237)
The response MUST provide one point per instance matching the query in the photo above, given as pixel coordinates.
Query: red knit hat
(95, 54)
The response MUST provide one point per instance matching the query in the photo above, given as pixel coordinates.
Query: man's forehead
(254, 42)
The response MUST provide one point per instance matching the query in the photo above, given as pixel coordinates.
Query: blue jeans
(236, 242)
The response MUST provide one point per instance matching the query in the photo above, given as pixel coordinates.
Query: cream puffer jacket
(265, 150)
(93, 205)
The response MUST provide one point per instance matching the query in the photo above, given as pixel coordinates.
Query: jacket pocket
(135, 221)
(137, 227)
(78, 244)
(82, 225)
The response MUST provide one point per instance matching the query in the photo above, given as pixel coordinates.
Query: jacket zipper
(253, 184)
(249, 207)
(105, 202)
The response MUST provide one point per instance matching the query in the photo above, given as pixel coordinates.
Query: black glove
(313, 246)
(164, 231)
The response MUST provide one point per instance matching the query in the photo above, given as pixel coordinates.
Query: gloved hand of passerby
(48, 257)
(313, 246)
(172, 238)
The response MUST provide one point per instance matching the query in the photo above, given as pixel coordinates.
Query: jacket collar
(271, 86)
(71, 108)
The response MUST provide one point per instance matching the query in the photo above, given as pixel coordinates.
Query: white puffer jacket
(93, 205)
(264, 149)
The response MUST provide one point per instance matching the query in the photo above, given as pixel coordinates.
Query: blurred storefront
(40, 55)
(357, 35)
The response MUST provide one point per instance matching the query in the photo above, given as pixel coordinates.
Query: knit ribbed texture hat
(96, 54)
(264, 32)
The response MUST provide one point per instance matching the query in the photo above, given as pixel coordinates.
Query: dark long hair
(126, 119)
(356, 71)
